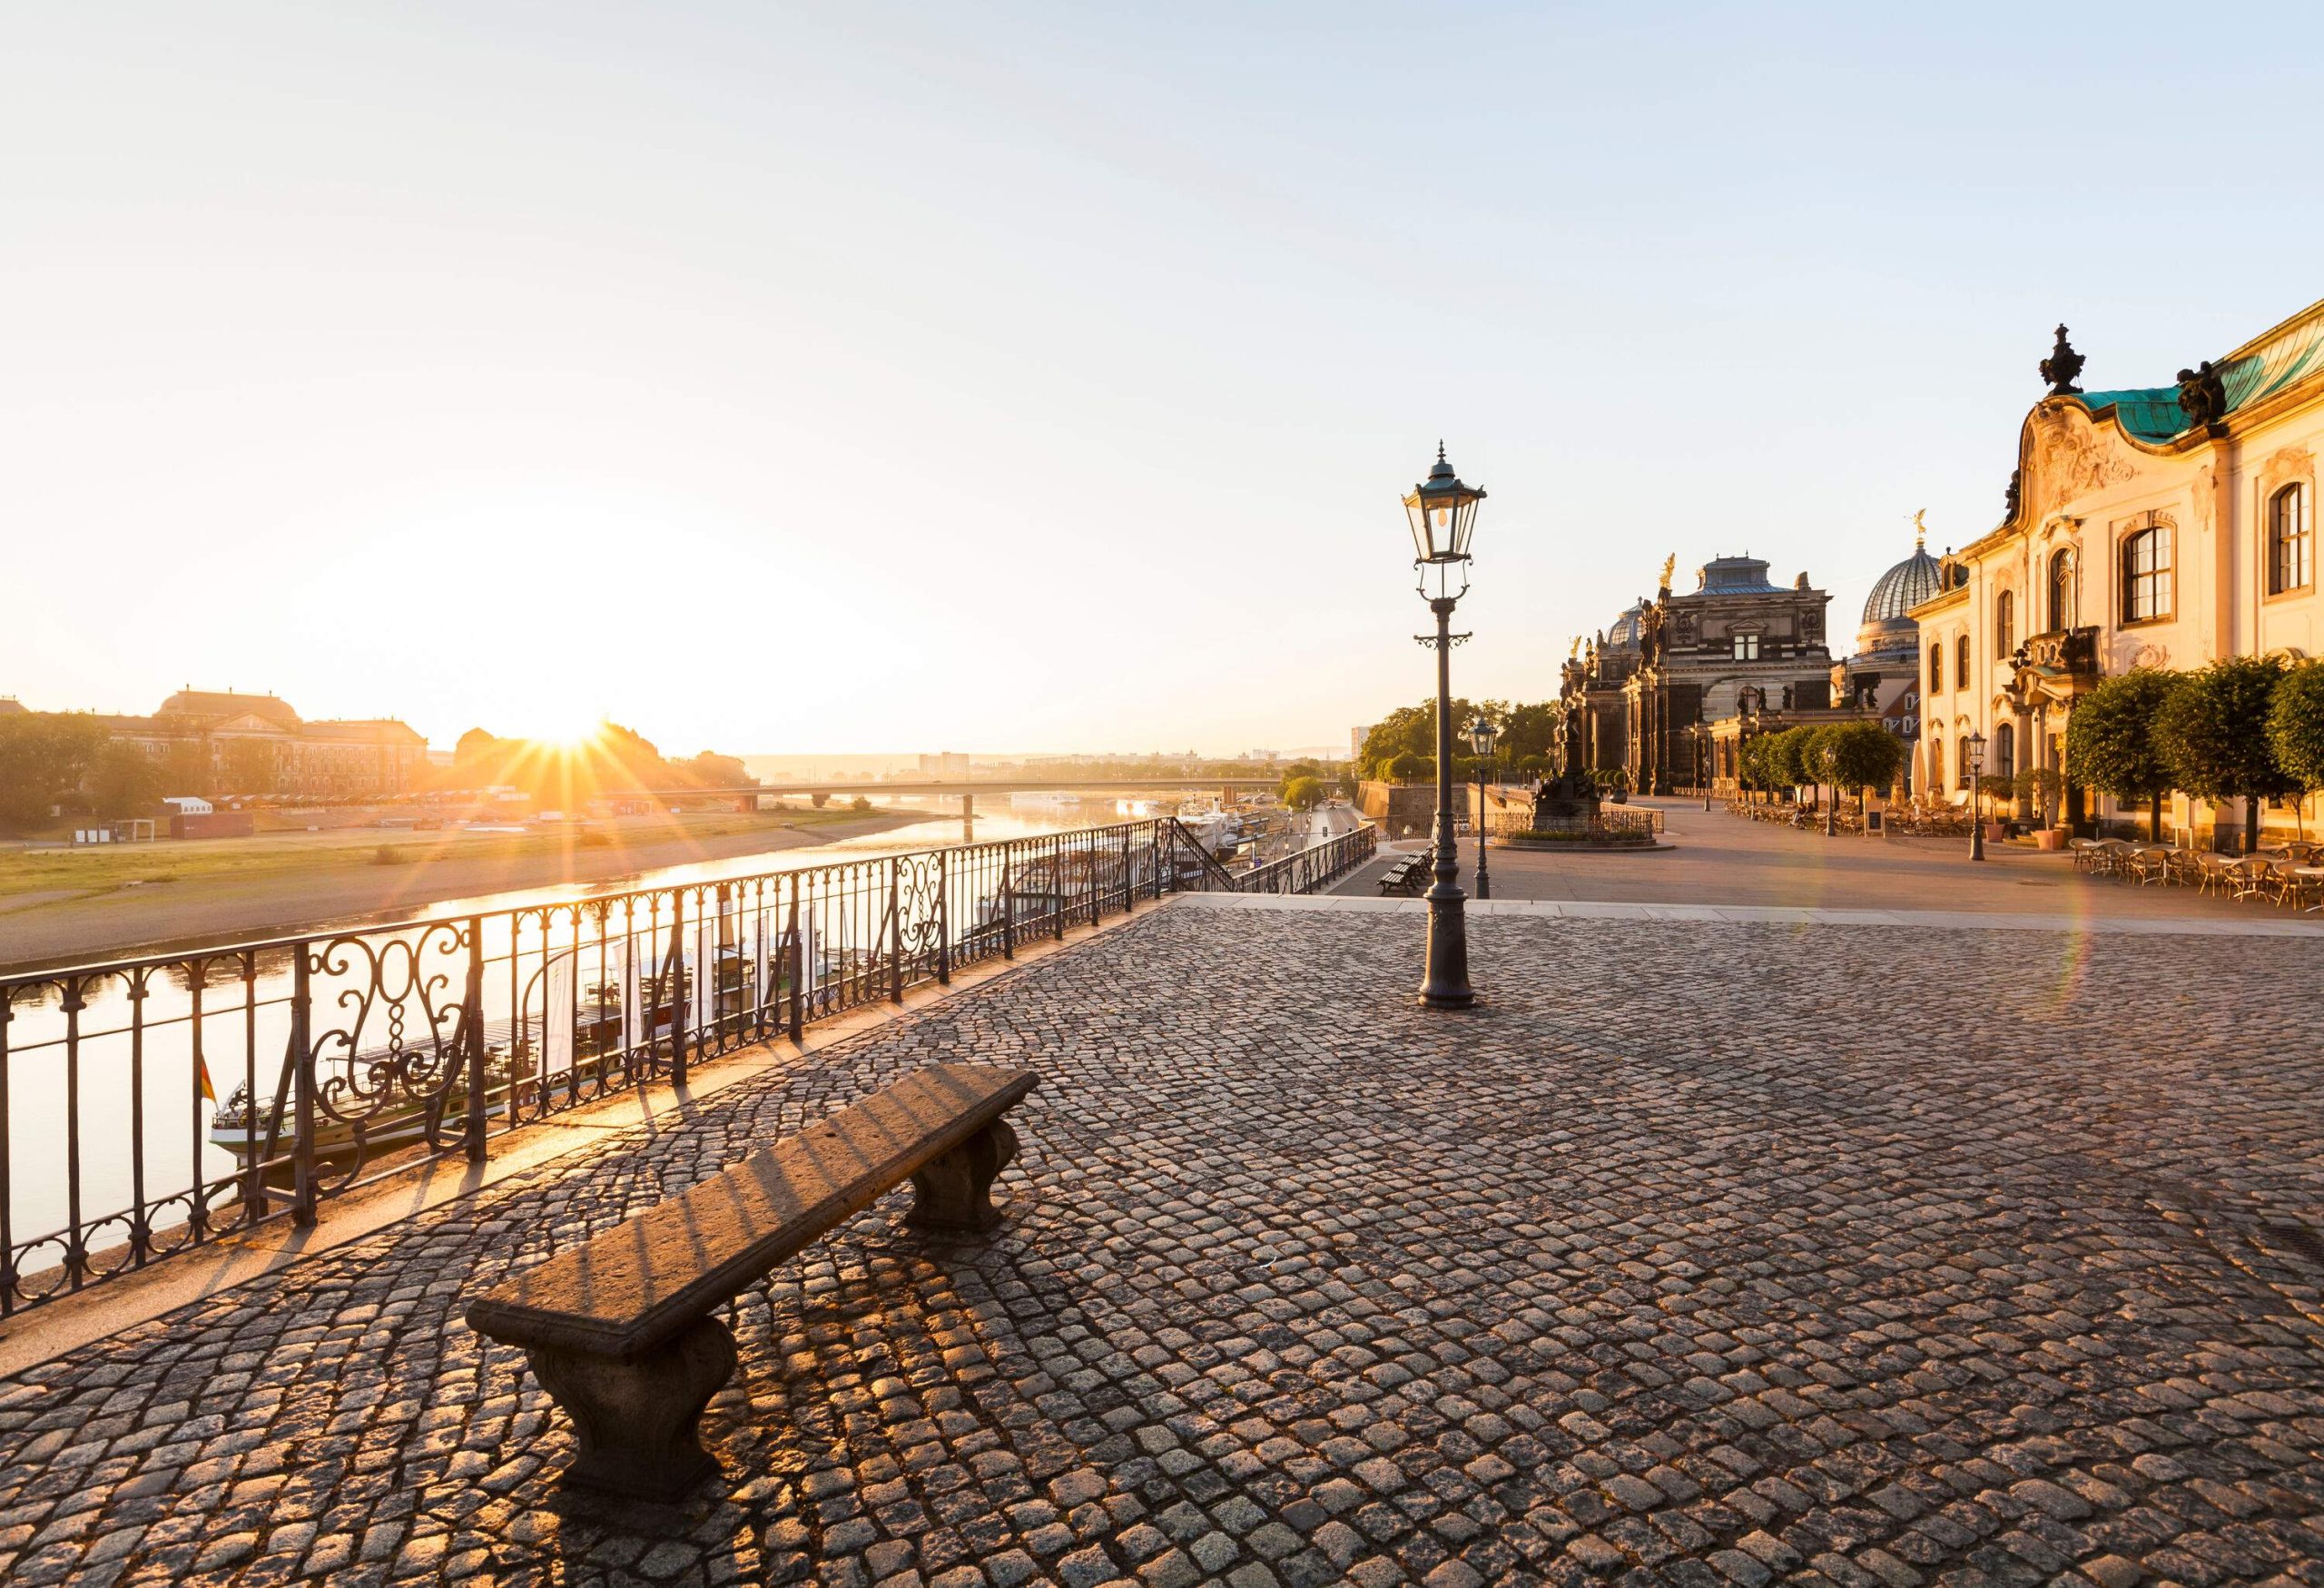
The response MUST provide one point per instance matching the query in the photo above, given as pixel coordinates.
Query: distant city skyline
(896, 375)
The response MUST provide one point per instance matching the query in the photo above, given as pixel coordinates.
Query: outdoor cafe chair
(2252, 878)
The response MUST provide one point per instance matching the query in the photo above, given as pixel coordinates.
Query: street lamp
(1483, 737)
(1443, 514)
(1976, 770)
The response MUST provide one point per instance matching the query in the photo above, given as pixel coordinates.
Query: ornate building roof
(2260, 368)
(1735, 576)
(1623, 635)
(1888, 629)
(1902, 587)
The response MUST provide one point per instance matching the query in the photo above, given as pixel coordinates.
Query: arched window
(1935, 763)
(2291, 564)
(2060, 591)
(2004, 623)
(1961, 662)
(1961, 760)
(1935, 669)
(2005, 751)
(2146, 575)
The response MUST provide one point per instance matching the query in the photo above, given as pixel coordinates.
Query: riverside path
(1702, 1252)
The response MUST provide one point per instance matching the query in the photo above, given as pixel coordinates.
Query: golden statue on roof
(1920, 530)
(1668, 563)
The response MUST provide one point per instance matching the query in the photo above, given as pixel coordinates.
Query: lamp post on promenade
(1702, 758)
(1976, 771)
(1483, 737)
(1443, 514)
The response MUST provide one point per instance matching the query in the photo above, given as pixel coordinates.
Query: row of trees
(1401, 747)
(2244, 727)
(613, 760)
(1857, 755)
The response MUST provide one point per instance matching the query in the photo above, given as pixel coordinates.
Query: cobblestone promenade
(1703, 1253)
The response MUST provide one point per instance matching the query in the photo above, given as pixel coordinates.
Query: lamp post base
(1444, 978)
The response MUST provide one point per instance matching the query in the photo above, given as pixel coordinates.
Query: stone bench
(619, 1328)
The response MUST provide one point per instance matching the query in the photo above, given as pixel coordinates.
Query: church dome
(1902, 587)
(1888, 632)
(1623, 635)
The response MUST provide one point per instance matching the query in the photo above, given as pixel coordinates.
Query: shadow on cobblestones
(1703, 1253)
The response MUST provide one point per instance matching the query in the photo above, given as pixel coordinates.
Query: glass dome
(1902, 587)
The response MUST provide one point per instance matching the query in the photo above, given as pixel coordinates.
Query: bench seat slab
(618, 1328)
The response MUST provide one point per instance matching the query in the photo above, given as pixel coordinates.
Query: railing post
(1008, 902)
(678, 1001)
(302, 1072)
(1129, 888)
(895, 930)
(1056, 883)
(472, 1017)
(943, 919)
(798, 967)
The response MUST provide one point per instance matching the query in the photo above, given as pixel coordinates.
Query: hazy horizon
(900, 375)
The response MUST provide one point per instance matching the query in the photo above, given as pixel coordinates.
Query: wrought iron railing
(151, 1106)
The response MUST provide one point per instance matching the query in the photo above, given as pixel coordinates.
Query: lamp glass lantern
(1443, 515)
(1976, 753)
(1482, 737)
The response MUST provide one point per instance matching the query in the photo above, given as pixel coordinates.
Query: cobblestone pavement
(1701, 1255)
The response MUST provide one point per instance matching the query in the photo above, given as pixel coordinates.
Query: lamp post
(1976, 770)
(1443, 514)
(1483, 737)
(1702, 768)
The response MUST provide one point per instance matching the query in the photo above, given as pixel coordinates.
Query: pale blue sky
(874, 377)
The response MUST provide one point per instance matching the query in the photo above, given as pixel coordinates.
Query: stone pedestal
(637, 1419)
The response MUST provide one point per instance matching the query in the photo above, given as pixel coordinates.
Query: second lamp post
(1977, 775)
(1443, 514)
(1483, 737)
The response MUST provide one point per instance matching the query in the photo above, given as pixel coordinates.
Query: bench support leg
(955, 1191)
(637, 1419)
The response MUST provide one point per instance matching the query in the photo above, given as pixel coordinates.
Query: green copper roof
(2151, 413)
(2289, 353)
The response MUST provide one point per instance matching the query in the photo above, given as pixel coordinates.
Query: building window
(2060, 591)
(2004, 623)
(2005, 751)
(2290, 560)
(2146, 575)
(1746, 648)
(1961, 760)
(1935, 669)
(1961, 662)
(1935, 763)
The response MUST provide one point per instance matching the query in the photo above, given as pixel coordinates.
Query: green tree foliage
(44, 756)
(710, 770)
(2296, 725)
(1403, 766)
(123, 780)
(2213, 730)
(2110, 744)
(1858, 755)
(1525, 730)
(1303, 794)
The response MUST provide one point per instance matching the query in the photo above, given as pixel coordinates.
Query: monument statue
(1668, 563)
(2203, 394)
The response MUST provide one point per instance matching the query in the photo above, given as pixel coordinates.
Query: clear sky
(857, 377)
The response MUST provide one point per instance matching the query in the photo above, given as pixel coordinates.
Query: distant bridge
(966, 789)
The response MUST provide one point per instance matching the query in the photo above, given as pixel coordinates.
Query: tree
(476, 745)
(710, 770)
(1303, 793)
(2296, 725)
(2110, 744)
(44, 756)
(1403, 767)
(2213, 730)
(123, 780)
(1858, 755)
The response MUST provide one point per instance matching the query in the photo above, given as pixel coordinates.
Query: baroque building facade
(1642, 696)
(257, 744)
(2165, 527)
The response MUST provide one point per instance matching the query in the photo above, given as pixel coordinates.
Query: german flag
(202, 1074)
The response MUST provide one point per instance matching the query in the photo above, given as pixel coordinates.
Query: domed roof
(1623, 635)
(1902, 587)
